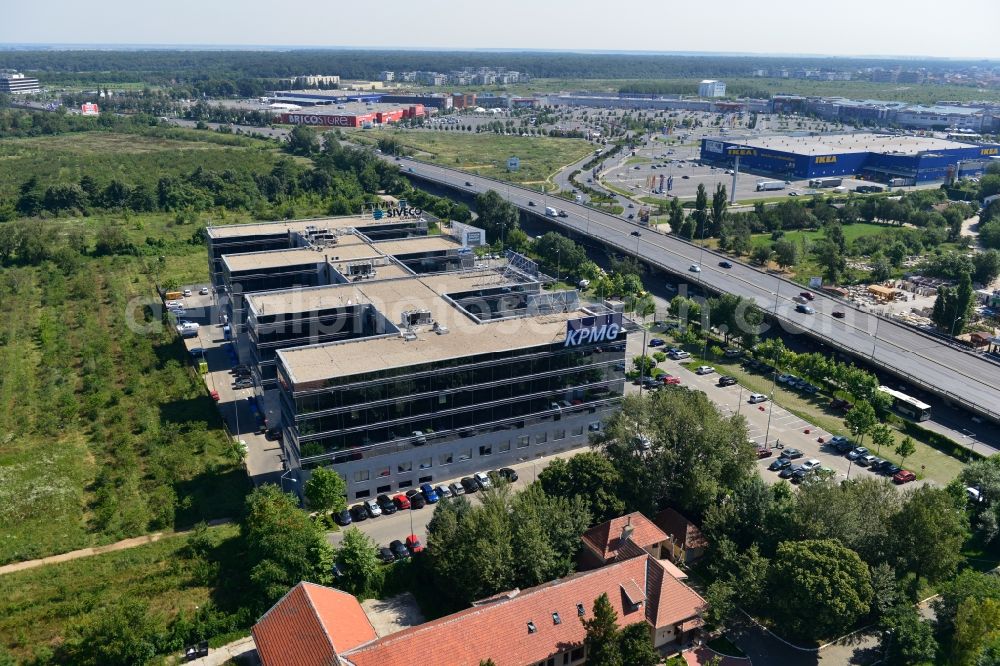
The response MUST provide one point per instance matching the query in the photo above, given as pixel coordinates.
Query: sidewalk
(243, 649)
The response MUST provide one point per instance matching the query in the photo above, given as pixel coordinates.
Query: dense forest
(188, 67)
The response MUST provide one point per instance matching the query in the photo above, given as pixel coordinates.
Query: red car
(808, 295)
(402, 502)
(670, 379)
(904, 476)
(215, 395)
(763, 452)
(413, 543)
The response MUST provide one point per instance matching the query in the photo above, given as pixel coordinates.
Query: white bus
(906, 405)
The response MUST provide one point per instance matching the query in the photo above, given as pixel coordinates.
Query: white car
(704, 370)
(482, 480)
(757, 397)
(810, 464)
(203, 291)
(695, 268)
(187, 292)
(173, 304)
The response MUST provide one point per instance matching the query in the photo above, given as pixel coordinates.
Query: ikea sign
(739, 152)
(588, 330)
(826, 159)
(990, 151)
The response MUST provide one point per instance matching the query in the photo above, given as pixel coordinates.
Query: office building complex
(711, 88)
(18, 84)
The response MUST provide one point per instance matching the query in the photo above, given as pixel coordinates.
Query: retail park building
(399, 358)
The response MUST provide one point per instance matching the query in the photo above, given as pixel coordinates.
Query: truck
(551, 212)
(826, 182)
(173, 295)
(901, 182)
(768, 185)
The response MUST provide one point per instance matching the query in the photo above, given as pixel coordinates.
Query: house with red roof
(609, 541)
(685, 541)
(540, 626)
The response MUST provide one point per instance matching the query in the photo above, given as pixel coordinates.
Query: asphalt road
(920, 360)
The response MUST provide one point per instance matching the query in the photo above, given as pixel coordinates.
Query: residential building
(387, 76)
(606, 542)
(18, 84)
(540, 626)
(685, 542)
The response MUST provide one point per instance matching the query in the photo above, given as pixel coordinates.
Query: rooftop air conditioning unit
(409, 336)
(440, 330)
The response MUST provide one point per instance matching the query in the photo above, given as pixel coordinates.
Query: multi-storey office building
(447, 377)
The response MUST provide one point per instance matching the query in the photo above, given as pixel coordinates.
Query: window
(522, 441)
(577, 654)
(383, 489)
(577, 431)
(426, 463)
(555, 618)
(559, 434)
(505, 446)
(486, 450)
(565, 657)
(541, 438)
(551, 662)
(360, 475)
(404, 467)
(531, 627)
(362, 493)
(425, 479)
(594, 427)
(580, 610)
(384, 471)
(465, 455)
(445, 459)
(405, 484)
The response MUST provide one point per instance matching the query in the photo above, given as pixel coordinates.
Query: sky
(954, 29)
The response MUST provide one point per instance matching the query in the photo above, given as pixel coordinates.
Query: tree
(969, 584)
(881, 267)
(984, 476)
(985, 266)
(860, 420)
(719, 203)
(496, 216)
(326, 490)
(601, 642)
(831, 588)
(676, 220)
(929, 532)
(761, 255)
(953, 306)
(906, 637)
(303, 140)
(905, 449)
(284, 547)
(700, 214)
(357, 558)
(122, 634)
(589, 475)
(831, 259)
(636, 646)
(881, 436)
(977, 623)
(786, 253)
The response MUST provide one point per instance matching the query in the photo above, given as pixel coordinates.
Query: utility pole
(736, 172)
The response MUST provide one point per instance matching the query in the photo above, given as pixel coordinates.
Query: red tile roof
(498, 630)
(680, 529)
(309, 626)
(605, 538)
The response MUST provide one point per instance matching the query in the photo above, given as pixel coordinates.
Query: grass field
(486, 154)
(39, 606)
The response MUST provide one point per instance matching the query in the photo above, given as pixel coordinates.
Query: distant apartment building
(711, 88)
(431, 78)
(387, 76)
(316, 81)
(18, 84)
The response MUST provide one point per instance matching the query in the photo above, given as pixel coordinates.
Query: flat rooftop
(829, 144)
(284, 226)
(465, 337)
(418, 244)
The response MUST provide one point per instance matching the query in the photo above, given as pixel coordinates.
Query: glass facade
(449, 399)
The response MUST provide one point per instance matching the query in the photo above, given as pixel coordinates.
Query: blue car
(429, 493)
(656, 342)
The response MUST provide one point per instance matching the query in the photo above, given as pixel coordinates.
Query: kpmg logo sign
(603, 328)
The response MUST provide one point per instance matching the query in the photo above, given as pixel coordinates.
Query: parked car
(811, 464)
(413, 544)
(373, 509)
(780, 464)
(876, 465)
(678, 354)
(359, 513)
(857, 452)
(704, 370)
(841, 404)
(789, 471)
(342, 518)
(801, 474)
(657, 342)
(727, 380)
(757, 397)
(904, 476)
(866, 461)
(401, 501)
(429, 494)
(891, 469)
(386, 504)
(509, 474)
(669, 379)
(203, 291)
(443, 492)
(400, 551)
(470, 485)
(791, 454)
(417, 500)
(734, 353)
(764, 452)
(456, 488)
(385, 554)
(842, 445)
(783, 378)
(482, 480)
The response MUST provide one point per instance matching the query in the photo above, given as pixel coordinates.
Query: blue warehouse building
(877, 157)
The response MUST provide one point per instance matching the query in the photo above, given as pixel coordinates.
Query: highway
(954, 374)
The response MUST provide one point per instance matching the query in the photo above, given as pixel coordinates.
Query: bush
(659, 357)
(944, 444)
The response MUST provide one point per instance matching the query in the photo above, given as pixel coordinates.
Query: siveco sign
(602, 328)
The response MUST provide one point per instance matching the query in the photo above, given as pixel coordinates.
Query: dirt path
(124, 544)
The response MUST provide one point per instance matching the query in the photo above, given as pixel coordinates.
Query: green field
(486, 154)
(851, 233)
(38, 607)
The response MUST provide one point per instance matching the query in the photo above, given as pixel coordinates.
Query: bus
(906, 405)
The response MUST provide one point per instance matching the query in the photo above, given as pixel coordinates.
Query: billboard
(327, 120)
(713, 146)
(513, 164)
(468, 235)
(587, 330)
(89, 109)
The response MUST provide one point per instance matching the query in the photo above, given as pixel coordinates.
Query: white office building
(711, 88)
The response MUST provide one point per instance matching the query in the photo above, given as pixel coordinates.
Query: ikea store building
(877, 157)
